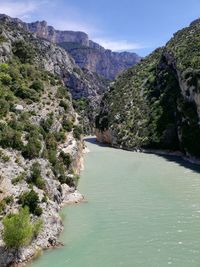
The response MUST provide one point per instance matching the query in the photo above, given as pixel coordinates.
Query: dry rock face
(42, 30)
(51, 57)
(86, 53)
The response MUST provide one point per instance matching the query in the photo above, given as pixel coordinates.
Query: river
(143, 210)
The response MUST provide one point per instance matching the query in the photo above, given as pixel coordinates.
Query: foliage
(37, 85)
(64, 104)
(18, 230)
(66, 158)
(36, 177)
(10, 138)
(19, 178)
(31, 200)
(67, 124)
(33, 147)
(47, 124)
(37, 227)
(24, 51)
(62, 92)
(154, 103)
(77, 132)
(4, 108)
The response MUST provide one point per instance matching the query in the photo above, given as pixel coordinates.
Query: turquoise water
(143, 210)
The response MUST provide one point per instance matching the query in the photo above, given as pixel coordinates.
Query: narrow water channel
(143, 210)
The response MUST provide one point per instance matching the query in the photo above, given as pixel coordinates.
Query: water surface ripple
(143, 210)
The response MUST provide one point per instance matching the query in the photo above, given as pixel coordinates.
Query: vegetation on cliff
(40, 140)
(156, 104)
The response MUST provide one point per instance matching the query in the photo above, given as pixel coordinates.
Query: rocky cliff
(86, 53)
(82, 83)
(156, 103)
(40, 136)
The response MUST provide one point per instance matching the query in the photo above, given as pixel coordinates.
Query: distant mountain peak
(86, 53)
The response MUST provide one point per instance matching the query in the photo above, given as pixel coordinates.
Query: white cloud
(121, 45)
(20, 9)
(74, 20)
(72, 25)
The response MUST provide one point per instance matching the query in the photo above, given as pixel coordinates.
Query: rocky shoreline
(106, 137)
(52, 222)
(187, 158)
(48, 238)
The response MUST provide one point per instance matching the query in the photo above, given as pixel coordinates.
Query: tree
(31, 200)
(18, 230)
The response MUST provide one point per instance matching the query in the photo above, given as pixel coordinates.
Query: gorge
(55, 88)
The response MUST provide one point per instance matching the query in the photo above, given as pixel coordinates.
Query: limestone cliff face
(42, 30)
(86, 53)
(104, 137)
(104, 62)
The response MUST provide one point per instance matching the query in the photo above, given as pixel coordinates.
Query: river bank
(59, 195)
(142, 210)
(107, 138)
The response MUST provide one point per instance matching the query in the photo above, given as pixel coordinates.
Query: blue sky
(138, 25)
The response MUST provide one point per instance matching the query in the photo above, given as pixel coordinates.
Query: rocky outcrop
(104, 62)
(42, 30)
(105, 137)
(86, 53)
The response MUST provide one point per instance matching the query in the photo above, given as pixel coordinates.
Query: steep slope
(40, 138)
(82, 84)
(86, 53)
(156, 103)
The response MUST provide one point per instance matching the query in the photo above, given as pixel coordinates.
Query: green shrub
(24, 51)
(4, 107)
(62, 179)
(37, 227)
(64, 104)
(3, 157)
(38, 211)
(2, 38)
(2, 206)
(36, 177)
(37, 85)
(51, 154)
(77, 132)
(26, 93)
(62, 92)
(5, 78)
(47, 124)
(67, 125)
(33, 148)
(59, 169)
(51, 141)
(60, 136)
(9, 199)
(18, 230)
(31, 200)
(10, 138)
(66, 158)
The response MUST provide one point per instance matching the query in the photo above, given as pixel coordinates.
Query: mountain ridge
(156, 104)
(89, 54)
